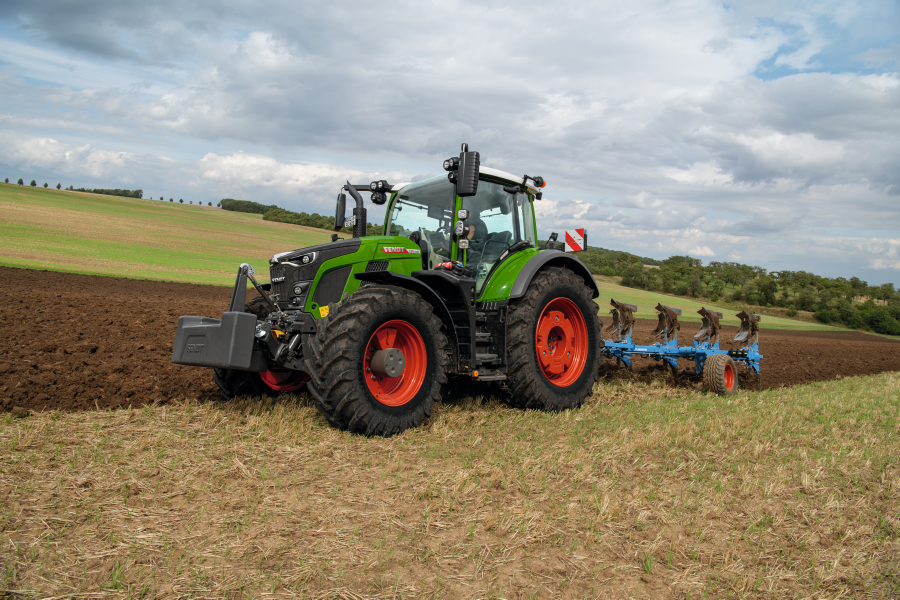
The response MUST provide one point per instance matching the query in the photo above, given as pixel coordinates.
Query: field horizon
(93, 234)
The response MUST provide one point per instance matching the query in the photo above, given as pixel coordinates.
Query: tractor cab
(478, 230)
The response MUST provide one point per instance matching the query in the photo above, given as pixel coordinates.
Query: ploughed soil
(78, 342)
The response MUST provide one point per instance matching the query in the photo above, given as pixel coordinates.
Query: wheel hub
(561, 341)
(395, 363)
(388, 363)
(729, 377)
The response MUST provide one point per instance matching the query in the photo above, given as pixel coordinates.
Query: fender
(427, 293)
(546, 259)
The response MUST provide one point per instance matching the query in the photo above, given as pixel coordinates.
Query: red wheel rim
(729, 377)
(561, 339)
(397, 391)
(284, 380)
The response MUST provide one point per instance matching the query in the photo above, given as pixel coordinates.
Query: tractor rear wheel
(553, 343)
(720, 374)
(378, 361)
(273, 383)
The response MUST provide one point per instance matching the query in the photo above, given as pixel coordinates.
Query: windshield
(427, 207)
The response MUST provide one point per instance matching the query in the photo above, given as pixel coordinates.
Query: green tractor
(376, 326)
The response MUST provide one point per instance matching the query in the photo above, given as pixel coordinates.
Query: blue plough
(716, 365)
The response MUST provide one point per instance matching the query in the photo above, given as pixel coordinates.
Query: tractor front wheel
(554, 343)
(720, 374)
(378, 361)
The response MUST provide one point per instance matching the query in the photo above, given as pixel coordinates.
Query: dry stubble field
(647, 492)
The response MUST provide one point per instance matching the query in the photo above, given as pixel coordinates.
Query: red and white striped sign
(574, 240)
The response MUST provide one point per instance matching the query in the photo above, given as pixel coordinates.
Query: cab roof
(497, 173)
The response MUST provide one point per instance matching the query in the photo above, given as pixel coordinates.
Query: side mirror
(554, 236)
(467, 175)
(340, 214)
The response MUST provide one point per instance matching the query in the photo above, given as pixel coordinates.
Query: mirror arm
(350, 188)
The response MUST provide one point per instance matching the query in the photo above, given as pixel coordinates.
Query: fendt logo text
(194, 347)
(399, 250)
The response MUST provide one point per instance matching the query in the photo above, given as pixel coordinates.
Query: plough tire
(528, 380)
(720, 375)
(336, 360)
(274, 383)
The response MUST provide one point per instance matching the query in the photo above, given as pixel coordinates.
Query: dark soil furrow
(79, 342)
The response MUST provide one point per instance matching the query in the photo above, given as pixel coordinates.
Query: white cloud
(654, 105)
(254, 173)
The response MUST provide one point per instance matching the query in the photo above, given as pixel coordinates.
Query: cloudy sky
(762, 132)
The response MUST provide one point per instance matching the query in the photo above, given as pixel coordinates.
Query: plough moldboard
(715, 364)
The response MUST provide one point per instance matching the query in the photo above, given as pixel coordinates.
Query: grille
(375, 266)
(331, 286)
(282, 288)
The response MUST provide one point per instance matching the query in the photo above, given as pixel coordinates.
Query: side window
(493, 214)
(526, 218)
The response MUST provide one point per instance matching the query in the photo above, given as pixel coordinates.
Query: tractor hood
(336, 248)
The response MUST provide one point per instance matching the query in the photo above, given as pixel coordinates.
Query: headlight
(299, 289)
(306, 259)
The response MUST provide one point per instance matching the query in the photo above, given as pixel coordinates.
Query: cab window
(494, 214)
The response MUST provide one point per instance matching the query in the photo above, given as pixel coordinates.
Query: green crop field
(127, 237)
(149, 239)
(647, 301)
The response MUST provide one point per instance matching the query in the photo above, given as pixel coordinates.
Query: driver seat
(416, 237)
(476, 244)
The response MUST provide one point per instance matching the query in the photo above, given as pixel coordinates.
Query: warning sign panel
(576, 240)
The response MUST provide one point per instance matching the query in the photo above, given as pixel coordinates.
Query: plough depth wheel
(719, 375)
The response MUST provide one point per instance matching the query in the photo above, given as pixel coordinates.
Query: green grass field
(125, 237)
(647, 301)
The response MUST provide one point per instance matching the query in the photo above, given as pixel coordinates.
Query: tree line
(116, 192)
(276, 214)
(850, 302)
(32, 184)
